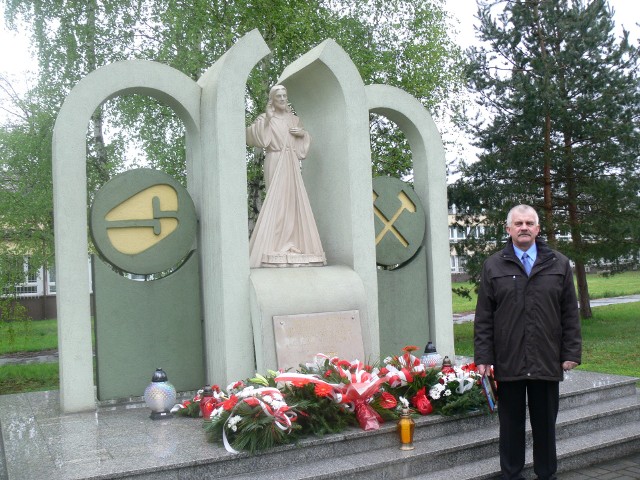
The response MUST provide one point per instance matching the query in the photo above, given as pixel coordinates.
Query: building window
(457, 263)
(30, 286)
(51, 280)
(456, 233)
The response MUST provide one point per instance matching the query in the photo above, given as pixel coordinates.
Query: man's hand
(484, 369)
(568, 365)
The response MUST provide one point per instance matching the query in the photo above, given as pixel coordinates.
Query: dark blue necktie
(526, 261)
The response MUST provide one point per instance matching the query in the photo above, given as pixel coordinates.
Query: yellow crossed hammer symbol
(405, 204)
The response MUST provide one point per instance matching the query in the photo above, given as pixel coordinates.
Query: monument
(246, 312)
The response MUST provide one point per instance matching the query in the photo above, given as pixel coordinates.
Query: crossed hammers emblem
(405, 204)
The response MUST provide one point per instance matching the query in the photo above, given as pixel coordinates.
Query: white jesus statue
(285, 234)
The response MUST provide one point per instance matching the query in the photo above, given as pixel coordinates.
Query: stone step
(592, 387)
(443, 442)
(476, 435)
(574, 452)
(121, 442)
(422, 463)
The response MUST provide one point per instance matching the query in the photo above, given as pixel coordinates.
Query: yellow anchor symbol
(139, 223)
(405, 204)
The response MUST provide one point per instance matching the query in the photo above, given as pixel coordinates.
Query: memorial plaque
(300, 337)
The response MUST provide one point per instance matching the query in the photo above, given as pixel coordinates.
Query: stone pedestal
(331, 290)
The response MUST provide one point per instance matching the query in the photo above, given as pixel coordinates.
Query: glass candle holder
(207, 403)
(160, 396)
(431, 358)
(406, 426)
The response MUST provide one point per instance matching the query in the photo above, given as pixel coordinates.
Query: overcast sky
(15, 57)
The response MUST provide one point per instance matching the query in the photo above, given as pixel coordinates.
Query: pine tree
(563, 99)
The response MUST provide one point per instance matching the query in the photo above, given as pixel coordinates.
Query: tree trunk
(546, 152)
(548, 200)
(583, 290)
(100, 162)
(576, 233)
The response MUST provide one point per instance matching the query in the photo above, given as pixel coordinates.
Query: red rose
(387, 400)
(421, 402)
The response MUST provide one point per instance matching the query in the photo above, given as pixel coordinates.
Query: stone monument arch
(221, 94)
(430, 302)
(70, 204)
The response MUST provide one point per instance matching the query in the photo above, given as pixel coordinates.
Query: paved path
(625, 468)
(25, 358)
(599, 302)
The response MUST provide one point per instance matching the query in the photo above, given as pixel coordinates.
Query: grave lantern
(160, 396)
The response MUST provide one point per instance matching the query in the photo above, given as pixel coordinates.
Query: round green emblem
(143, 221)
(399, 221)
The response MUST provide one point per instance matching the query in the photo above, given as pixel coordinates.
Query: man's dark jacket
(527, 326)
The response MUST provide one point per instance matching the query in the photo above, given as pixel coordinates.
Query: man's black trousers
(543, 399)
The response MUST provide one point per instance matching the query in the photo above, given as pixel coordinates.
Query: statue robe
(285, 222)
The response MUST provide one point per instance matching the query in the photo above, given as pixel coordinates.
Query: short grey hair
(522, 209)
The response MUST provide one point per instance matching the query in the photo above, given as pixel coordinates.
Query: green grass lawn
(611, 340)
(28, 378)
(29, 336)
(627, 283)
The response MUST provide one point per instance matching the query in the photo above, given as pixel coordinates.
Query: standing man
(527, 326)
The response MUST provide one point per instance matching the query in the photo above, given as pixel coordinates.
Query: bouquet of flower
(407, 377)
(327, 395)
(194, 408)
(251, 419)
(457, 391)
(188, 408)
(353, 385)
